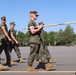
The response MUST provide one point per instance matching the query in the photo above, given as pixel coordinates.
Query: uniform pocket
(33, 48)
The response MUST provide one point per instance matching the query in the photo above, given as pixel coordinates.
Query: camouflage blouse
(34, 38)
(2, 35)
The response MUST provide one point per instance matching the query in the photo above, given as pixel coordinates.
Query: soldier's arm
(12, 36)
(33, 30)
(6, 34)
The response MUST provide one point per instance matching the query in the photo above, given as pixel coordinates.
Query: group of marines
(38, 47)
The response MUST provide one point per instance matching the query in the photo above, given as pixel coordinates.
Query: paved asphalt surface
(65, 62)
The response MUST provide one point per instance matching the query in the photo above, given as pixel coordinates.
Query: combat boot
(3, 67)
(13, 63)
(37, 62)
(51, 60)
(49, 67)
(21, 60)
(31, 69)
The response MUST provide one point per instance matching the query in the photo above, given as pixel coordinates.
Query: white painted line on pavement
(38, 72)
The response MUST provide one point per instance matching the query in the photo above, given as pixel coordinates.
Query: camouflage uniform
(43, 50)
(13, 44)
(36, 47)
(34, 44)
(4, 45)
(42, 35)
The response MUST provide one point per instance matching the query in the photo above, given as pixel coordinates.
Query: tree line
(66, 37)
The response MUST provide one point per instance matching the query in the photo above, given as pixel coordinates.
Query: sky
(50, 12)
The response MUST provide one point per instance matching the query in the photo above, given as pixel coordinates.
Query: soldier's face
(35, 17)
(3, 20)
(12, 25)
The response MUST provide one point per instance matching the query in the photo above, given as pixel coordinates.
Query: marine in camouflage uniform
(15, 43)
(43, 50)
(4, 38)
(35, 42)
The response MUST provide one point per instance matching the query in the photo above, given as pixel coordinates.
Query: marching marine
(44, 47)
(4, 40)
(35, 42)
(15, 43)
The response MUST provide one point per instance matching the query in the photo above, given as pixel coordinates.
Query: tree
(59, 37)
(27, 37)
(51, 36)
(21, 37)
(68, 34)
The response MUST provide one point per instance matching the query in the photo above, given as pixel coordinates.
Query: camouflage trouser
(34, 50)
(5, 47)
(42, 54)
(16, 48)
(37, 50)
(43, 51)
(47, 52)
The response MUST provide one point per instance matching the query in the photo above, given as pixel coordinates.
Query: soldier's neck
(12, 28)
(4, 23)
(32, 19)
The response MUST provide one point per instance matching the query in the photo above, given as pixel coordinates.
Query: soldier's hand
(41, 26)
(10, 39)
(17, 42)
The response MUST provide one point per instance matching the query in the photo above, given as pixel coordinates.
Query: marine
(4, 40)
(45, 49)
(35, 42)
(15, 44)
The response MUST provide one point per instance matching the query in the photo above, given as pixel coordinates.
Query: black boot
(8, 62)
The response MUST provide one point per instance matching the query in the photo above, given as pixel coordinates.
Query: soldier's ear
(31, 15)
